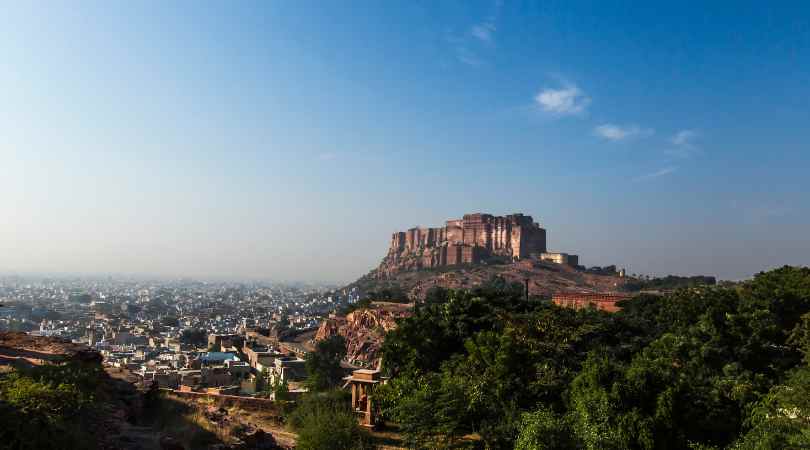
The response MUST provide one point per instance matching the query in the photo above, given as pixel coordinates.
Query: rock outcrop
(364, 330)
(23, 350)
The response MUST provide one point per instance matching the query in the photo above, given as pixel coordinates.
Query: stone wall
(577, 300)
(248, 403)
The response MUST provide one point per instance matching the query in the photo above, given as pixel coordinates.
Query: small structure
(362, 383)
(560, 258)
(578, 300)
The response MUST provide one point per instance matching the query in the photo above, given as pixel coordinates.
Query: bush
(48, 407)
(323, 364)
(324, 421)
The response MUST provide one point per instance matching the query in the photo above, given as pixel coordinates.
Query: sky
(288, 140)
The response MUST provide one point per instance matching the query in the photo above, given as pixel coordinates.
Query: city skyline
(288, 141)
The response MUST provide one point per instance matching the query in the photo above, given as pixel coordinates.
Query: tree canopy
(323, 364)
(702, 367)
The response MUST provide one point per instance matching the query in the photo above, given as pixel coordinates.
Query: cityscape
(173, 332)
(404, 225)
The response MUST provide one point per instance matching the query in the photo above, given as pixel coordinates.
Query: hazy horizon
(287, 141)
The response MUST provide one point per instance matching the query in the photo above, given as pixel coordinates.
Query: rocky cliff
(364, 330)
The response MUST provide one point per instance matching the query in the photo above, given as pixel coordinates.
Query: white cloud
(684, 138)
(327, 156)
(569, 100)
(656, 174)
(613, 132)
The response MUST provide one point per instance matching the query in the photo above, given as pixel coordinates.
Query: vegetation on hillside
(323, 418)
(48, 407)
(668, 283)
(323, 364)
(324, 421)
(704, 367)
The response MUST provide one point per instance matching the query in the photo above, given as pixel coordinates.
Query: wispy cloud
(483, 31)
(477, 39)
(468, 57)
(614, 132)
(656, 174)
(683, 143)
(684, 138)
(565, 101)
(327, 156)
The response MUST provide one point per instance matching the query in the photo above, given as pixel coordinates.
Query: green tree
(281, 391)
(323, 364)
(261, 381)
(544, 430)
(703, 367)
(782, 418)
(49, 407)
(324, 421)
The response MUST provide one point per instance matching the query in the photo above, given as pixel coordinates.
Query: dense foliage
(324, 421)
(704, 367)
(323, 364)
(47, 406)
(669, 282)
(393, 293)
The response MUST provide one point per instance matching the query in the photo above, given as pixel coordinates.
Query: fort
(474, 238)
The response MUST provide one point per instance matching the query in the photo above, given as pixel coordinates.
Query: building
(578, 300)
(362, 383)
(216, 358)
(560, 258)
(288, 369)
(224, 340)
(472, 239)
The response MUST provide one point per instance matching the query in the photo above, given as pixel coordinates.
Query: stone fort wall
(471, 239)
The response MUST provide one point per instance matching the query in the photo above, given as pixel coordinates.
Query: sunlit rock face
(364, 330)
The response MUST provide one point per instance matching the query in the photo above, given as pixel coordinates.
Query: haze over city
(289, 140)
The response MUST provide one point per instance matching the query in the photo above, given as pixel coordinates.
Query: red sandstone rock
(364, 330)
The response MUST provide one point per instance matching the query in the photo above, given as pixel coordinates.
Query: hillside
(545, 278)
(54, 394)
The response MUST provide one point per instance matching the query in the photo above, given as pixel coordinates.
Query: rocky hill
(472, 250)
(545, 278)
(363, 330)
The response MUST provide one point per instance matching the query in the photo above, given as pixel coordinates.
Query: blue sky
(287, 140)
